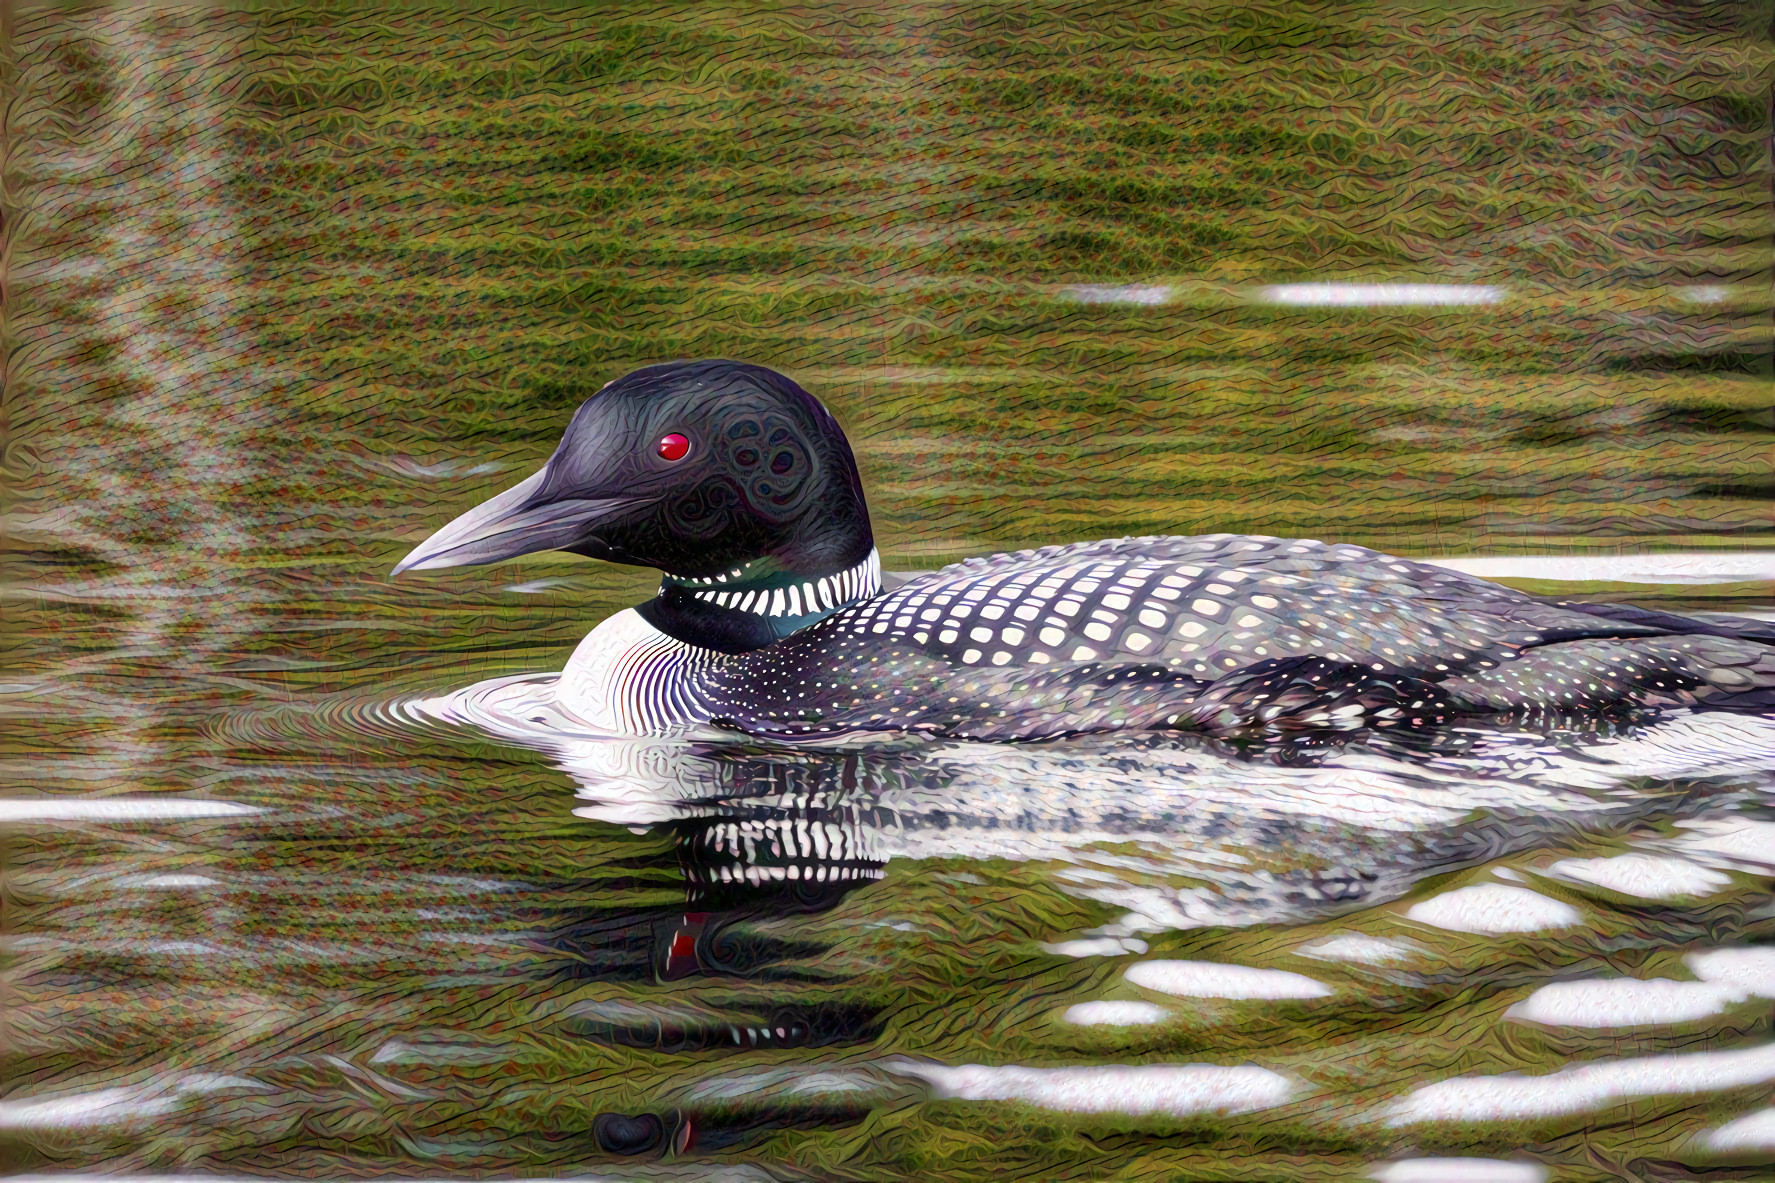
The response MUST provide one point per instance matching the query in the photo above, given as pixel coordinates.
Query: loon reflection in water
(1236, 830)
(773, 615)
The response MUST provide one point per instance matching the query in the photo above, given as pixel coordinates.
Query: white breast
(628, 678)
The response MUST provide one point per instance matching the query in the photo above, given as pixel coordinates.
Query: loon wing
(1701, 624)
(1132, 632)
(1207, 605)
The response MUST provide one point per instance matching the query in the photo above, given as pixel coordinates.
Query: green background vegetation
(460, 225)
(467, 224)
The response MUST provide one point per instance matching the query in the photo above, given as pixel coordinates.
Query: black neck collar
(755, 605)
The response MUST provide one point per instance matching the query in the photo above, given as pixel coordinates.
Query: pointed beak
(508, 525)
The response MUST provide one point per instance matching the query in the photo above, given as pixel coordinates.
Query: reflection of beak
(508, 525)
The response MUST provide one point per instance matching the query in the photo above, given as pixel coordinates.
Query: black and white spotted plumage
(772, 616)
(1219, 632)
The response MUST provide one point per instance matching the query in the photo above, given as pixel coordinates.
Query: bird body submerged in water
(773, 615)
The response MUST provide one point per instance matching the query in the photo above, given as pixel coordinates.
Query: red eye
(673, 446)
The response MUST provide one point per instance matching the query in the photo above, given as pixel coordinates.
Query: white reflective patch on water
(1114, 1014)
(538, 586)
(209, 1082)
(1175, 1089)
(1192, 811)
(104, 1107)
(1717, 566)
(114, 1106)
(1459, 1170)
(1648, 876)
(1583, 1087)
(795, 1080)
(1753, 1131)
(1356, 946)
(1707, 294)
(169, 882)
(1682, 745)
(1213, 979)
(399, 1051)
(1096, 947)
(1375, 295)
(1727, 841)
(116, 809)
(1622, 1002)
(1123, 294)
(1493, 907)
(1750, 970)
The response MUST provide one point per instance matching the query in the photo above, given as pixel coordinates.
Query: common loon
(774, 617)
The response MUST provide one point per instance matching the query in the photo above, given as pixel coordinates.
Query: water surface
(309, 875)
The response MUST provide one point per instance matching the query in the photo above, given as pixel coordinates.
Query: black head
(696, 468)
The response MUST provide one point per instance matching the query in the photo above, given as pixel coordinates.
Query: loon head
(725, 476)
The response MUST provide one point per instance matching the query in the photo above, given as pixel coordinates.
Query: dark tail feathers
(1709, 624)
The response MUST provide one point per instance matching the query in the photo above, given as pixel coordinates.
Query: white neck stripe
(824, 593)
